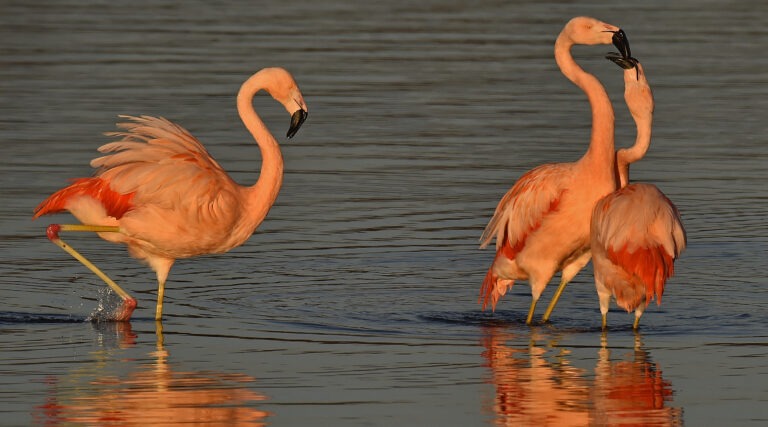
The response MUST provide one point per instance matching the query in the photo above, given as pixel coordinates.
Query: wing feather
(157, 166)
(156, 157)
(522, 209)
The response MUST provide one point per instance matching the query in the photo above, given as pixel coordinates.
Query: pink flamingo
(636, 231)
(162, 195)
(541, 225)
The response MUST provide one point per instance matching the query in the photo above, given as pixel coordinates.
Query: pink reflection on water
(632, 392)
(153, 394)
(537, 385)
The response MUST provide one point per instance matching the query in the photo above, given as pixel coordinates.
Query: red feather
(114, 203)
(486, 289)
(651, 266)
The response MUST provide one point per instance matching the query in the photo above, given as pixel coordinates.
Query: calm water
(355, 302)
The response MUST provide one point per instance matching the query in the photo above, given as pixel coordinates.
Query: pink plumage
(637, 234)
(158, 191)
(520, 213)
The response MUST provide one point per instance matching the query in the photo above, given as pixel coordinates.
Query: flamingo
(636, 231)
(161, 194)
(541, 225)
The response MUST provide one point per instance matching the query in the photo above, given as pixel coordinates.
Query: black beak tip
(622, 43)
(297, 119)
(626, 63)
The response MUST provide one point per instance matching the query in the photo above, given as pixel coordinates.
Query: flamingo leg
(638, 312)
(129, 303)
(160, 294)
(530, 312)
(605, 323)
(552, 303)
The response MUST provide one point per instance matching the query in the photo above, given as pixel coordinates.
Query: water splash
(109, 308)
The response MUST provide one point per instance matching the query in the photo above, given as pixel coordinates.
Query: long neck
(625, 156)
(600, 153)
(262, 195)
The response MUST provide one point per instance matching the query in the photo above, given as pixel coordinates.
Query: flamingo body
(541, 225)
(636, 234)
(536, 227)
(166, 194)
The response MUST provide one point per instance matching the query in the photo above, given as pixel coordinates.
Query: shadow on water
(153, 393)
(536, 382)
(108, 304)
(562, 325)
(11, 317)
(507, 319)
(499, 318)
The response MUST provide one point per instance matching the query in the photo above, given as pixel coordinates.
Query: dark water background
(355, 302)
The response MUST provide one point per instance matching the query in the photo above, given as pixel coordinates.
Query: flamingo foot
(123, 314)
(53, 232)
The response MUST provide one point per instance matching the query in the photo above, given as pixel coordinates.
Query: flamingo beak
(625, 63)
(297, 119)
(622, 43)
(624, 58)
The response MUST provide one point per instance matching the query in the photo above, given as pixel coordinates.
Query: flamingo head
(591, 31)
(283, 88)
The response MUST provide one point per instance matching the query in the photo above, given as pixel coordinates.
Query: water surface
(355, 301)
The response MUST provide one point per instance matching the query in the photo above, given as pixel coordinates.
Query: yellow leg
(552, 303)
(159, 333)
(160, 294)
(635, 323)
(53, 235)
(605, 324)
(95, 228)
(530, 312)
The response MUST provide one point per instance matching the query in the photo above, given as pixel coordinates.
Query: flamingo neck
(263, 194)
(600, 154)
(625, 156)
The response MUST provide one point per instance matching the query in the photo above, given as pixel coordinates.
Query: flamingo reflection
(154, 394)
(632, 392)
(531, 390)
(537, 385)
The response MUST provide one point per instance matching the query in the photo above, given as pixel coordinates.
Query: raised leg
(129, 304)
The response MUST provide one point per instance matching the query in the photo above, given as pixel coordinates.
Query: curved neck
(625, 156)
(263, 194)
(600, 152)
